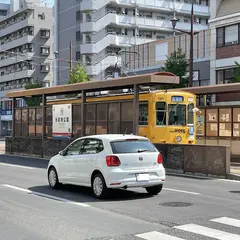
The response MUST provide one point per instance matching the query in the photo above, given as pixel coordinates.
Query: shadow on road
(24, 161)
(84, 194)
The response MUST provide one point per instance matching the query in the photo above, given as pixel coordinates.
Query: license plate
(142, 177)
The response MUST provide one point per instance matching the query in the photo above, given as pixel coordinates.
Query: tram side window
(143, 113)
(161, 114)
(190, 113)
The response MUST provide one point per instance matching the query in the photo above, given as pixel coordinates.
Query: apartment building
(151, 57)
(25, 54)
(99, 29)
(225, 46)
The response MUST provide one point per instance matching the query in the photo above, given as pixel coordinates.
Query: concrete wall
(203, 159)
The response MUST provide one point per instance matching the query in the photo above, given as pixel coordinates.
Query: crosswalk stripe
(227, 221)
(157, 236)
(208, 232)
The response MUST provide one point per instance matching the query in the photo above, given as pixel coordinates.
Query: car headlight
(178, 139)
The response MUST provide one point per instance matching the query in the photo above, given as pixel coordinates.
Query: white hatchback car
(108, 161)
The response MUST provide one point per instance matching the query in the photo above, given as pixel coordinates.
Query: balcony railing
(141, 22)
(91, 5)
(16, 58)
(16, 75)
(17, 42)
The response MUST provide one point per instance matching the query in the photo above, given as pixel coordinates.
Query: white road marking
(208, 232)
(17, 166)
(227, 221)
(157, 236)
(176, 190)
(46, 195)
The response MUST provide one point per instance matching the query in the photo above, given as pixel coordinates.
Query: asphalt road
(187, 208)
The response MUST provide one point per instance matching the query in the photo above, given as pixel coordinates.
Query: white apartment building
(100, 28)
(25, 53)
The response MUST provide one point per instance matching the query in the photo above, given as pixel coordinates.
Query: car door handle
(74, 160)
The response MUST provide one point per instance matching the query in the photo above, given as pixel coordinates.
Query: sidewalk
(234, 171)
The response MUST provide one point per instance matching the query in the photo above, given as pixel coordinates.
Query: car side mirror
(63, 152)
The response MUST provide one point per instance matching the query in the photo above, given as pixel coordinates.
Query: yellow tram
(165, 116)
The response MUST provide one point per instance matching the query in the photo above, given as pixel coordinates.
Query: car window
(92, 146)
(132, 146)
(75, 147)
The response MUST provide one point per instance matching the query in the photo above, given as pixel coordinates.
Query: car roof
(111, 137)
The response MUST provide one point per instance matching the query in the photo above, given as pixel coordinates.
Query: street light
(174, 21)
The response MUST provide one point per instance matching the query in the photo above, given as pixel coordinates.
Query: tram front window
(177, 115)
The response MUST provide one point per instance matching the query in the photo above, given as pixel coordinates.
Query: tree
(177, 64)
(236, 78)
(78, 74)
(34, 100)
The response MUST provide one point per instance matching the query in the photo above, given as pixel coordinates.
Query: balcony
(17, 75)
(16, 26)
(97, 68)
(154, 24)
(141, 22)
(17, 42)
(15, 59)
(161, 5)
(111, 39)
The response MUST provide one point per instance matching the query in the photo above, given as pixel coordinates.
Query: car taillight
(160, 158)
(112, 161)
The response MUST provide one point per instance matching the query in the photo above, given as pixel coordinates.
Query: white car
(108, 161)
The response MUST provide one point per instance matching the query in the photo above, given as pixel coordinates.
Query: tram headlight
(178, 139)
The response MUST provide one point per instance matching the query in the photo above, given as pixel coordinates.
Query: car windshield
(177, 115)
(132, 146)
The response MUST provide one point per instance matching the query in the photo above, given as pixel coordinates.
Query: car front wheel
(53, 178)
(155, 190)
(99, 186)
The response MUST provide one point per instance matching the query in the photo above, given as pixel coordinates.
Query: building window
(3, 12)
(41, 16)
(228, 35)
(45, 50)
(78, 36)
(45, 68)
(45, 33)
(225, 76)
(78, 16)
(78, 56)
(46, 84)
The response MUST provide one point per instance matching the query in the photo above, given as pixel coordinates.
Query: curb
(232, 176)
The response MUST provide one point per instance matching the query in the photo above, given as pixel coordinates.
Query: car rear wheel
(155, 190)
(99, 186)
(53, 178)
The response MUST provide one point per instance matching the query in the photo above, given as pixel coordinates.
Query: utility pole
(174, 21)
